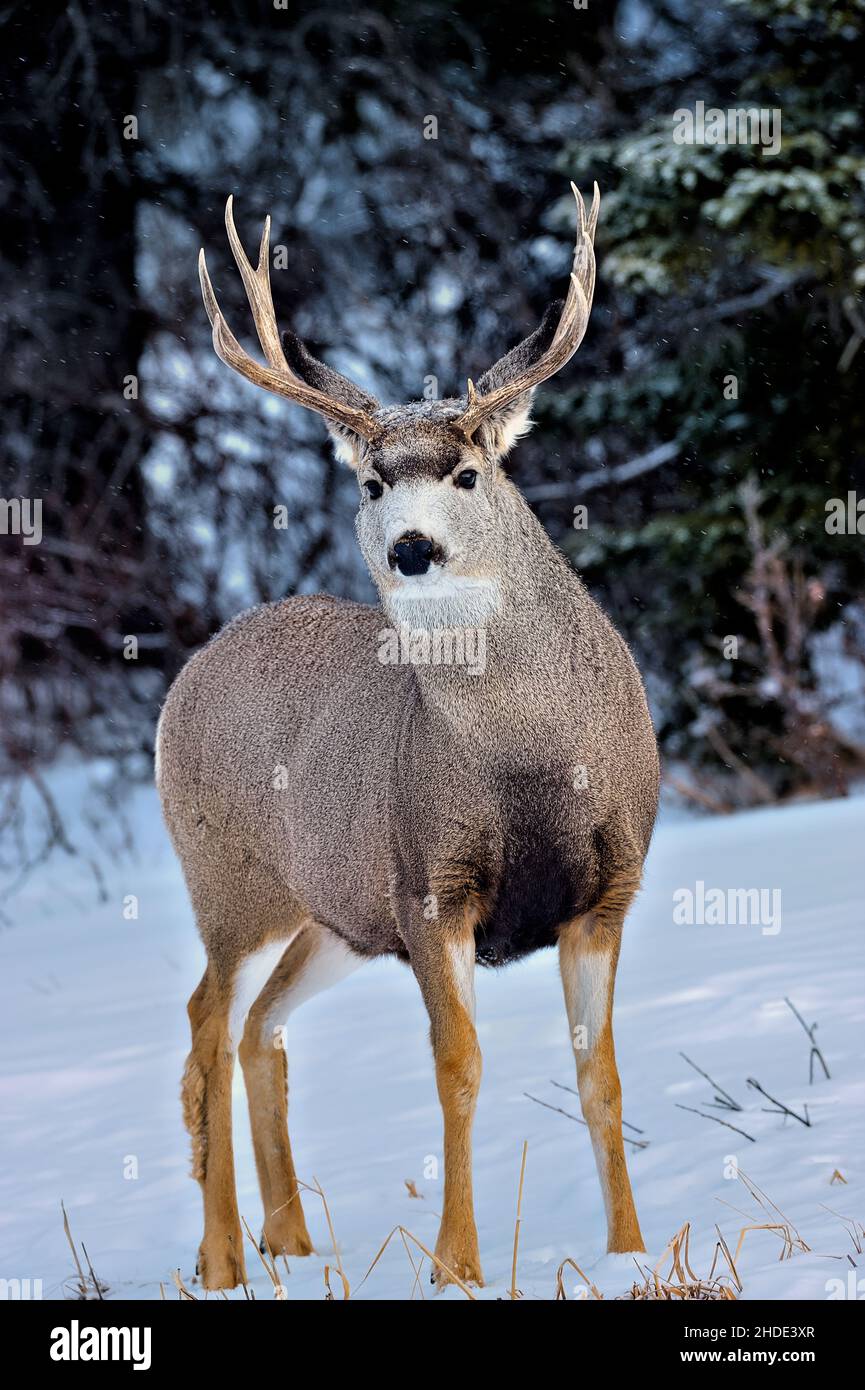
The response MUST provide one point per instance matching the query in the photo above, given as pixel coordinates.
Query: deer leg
(315, 959)
(444, 967)
(206, 1092)
(588, 955)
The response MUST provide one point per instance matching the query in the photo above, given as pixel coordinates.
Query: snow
(94, 1036)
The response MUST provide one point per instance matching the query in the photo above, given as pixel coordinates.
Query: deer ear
(504, 427)
(323, 378)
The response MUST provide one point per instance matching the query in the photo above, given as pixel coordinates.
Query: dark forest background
(400, 258)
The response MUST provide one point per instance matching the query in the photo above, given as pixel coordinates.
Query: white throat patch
(441, 600)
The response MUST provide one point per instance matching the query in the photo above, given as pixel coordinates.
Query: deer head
(431, 487)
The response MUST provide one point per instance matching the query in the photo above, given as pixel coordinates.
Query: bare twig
(637, 1143)
(96, 1284)
(571, 1092)
(780, 1107)
(810, 1029)
(722, 1100)
(717, 1120)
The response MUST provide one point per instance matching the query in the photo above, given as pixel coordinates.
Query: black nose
(413, 553)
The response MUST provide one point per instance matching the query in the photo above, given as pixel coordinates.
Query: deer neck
(520, 650)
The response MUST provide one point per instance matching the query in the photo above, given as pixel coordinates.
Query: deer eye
(373, 487)
(467, 478)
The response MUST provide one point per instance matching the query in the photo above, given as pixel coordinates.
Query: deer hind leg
(206, 1093)
(444, 965)
(588, 955)
(315, 959)
(246, 918)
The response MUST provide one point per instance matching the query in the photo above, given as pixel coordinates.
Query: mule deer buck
(332, 802)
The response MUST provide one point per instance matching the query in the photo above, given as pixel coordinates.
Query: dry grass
(406, 1237)
(87, 1287)
(561, 1296)
(775, 1221)
(673, 1276)
(680, 1281)
(854, 1229)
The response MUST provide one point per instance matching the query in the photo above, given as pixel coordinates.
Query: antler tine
(225, 345)
(277, 376)
(258, 292)
(569, 330)
(207, 294)
(596, 208)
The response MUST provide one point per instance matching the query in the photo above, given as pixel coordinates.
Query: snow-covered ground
(94, 1034)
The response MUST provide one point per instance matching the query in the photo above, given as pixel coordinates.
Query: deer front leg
(588, 955)
(443, 960)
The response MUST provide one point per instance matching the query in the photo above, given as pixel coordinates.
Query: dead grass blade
(770, 1207)
(784, 1231)
(346, 1291)
(89, 1286)
(723, 1247)
(681, 1281)
(407, 1235)
(517, 1223)
(854, 1229)
(81, 1279)
(185, 1295)
(561, 1296)
(417, 1271)
(269, 1263)
(346, 1287)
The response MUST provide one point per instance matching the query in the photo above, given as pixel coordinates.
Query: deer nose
(412, 553)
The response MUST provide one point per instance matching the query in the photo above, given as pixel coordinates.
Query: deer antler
(277, 376)
(567, 337)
